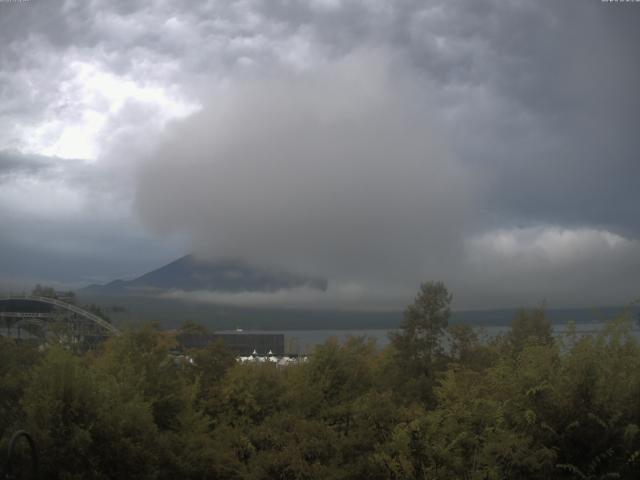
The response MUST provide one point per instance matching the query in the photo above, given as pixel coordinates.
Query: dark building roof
(24, 306)
(238, 343)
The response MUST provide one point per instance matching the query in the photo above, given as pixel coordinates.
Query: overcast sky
(490, 144)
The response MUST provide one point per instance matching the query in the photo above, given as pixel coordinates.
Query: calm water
(303, 341)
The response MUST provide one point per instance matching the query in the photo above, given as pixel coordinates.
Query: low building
(240, 343)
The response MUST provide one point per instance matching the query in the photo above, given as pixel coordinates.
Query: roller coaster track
(69, 307)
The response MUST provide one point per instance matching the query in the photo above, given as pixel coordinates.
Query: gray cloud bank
(335, 172)
(491, 144)
(342, 171)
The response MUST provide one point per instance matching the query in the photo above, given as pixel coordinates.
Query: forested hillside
(525, 405)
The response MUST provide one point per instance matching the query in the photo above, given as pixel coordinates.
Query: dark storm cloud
(533, 104)
(562, 148)
(540, 96)
(287, 172)
(335, 171)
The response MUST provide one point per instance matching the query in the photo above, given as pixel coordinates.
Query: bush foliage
(438, 403)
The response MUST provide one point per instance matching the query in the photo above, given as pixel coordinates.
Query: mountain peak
(190, 273)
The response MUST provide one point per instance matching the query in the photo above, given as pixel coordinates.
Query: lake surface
(303, 341)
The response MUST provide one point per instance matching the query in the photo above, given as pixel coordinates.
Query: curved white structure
(69, 307)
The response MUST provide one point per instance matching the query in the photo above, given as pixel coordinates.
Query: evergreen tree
(418, 346)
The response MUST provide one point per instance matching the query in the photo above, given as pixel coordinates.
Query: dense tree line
(438, 403)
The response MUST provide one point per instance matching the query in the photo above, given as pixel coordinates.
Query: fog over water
(303, 341)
